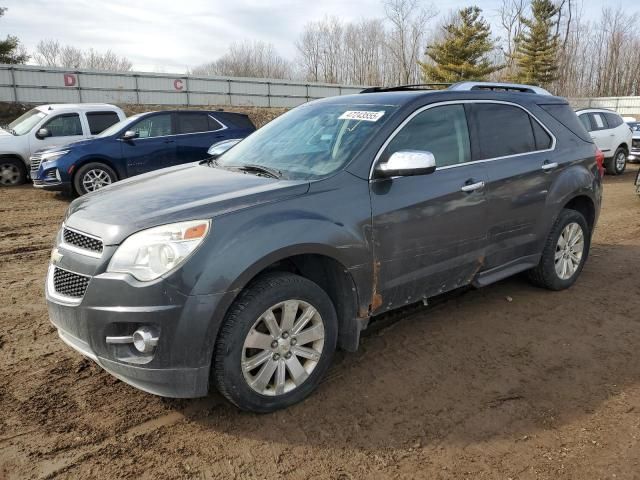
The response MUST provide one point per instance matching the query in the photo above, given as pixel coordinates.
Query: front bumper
(53, 186)
(117, 305)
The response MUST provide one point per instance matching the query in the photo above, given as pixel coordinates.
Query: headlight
(151, 253)
(51, 156)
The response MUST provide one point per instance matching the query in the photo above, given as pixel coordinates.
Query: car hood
(186, 192)
(4, 133)
(71, 145)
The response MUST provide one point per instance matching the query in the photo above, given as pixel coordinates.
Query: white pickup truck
(46, 126)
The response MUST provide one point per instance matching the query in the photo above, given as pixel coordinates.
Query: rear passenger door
(197, 131)
(518, 153)
(429, 231)
(602, 135)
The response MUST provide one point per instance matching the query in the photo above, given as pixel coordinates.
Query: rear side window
(502, 130)
(543, 139)
(613, 120)
(442, 131)
(597, 121)
(563, 113)
(67, 125)
(99, 121)
(237, 120)
(193, 122)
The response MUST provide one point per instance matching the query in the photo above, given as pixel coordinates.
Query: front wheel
(12, 172)
(276, 343)
(565, 252)
(93, 176)
(617, 164)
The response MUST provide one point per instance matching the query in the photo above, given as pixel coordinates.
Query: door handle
(472, 187)
(549, 166)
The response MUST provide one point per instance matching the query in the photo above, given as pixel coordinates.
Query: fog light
(144, 340)
(58, 175)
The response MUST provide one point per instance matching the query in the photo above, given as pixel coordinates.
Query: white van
(46, 126)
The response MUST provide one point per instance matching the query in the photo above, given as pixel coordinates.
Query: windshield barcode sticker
(361, 115)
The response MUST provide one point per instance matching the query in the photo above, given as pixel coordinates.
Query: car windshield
(116, 127)
(25, 122)
(310, 141)
(635, 126)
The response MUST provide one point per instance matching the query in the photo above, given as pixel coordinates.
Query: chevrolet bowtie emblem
(56, 256)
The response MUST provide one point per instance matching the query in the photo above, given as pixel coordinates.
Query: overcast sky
(173, 35)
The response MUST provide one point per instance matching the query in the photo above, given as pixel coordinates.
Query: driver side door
(63, 129)
(429, 231)
(154, 148)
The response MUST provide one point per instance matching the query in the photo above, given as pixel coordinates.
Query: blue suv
(139, 144)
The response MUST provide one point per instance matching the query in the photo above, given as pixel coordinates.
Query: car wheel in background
(93, 176)
(276, 343)
(617, 164)
(12, 172)
(565, 252)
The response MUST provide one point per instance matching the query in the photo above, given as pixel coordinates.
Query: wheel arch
(584, 205)
(320, 267)
(81, 163)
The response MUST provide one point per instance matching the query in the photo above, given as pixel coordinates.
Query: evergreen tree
(10, 50)
(462, 53)
(537, 48)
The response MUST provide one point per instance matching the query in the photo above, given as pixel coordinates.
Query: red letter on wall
(178, 84)
(69, 80)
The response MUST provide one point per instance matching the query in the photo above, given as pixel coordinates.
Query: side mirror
(130, 135)
(43, 133)
(406, 163)
(217, 149)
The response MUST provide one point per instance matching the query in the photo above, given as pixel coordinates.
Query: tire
(13, 172)
(256, 390)
(617, 164)
(93, 176)
(546, 274)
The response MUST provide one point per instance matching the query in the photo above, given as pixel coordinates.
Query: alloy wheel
(569, 251)
(96, 179)
(621, 160)
(283, 347)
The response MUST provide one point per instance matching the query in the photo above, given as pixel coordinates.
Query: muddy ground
(505, 382)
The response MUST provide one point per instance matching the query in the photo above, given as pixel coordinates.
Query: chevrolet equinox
(245, 272)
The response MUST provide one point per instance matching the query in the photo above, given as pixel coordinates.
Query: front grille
(69, 284)
(635, 143)
(82, 241)
(35, 160)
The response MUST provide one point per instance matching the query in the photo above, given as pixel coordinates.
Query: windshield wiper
(271, 172)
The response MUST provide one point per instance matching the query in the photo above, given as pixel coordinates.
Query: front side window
(64, 125)
(153, 126)
(502, 130)
(441, 130)
(586, 122)
(25, 122)
(99, 121)
(310, 141)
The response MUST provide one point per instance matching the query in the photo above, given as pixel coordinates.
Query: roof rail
(510, 87)
(399, 88)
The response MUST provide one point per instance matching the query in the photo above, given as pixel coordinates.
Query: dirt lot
(505, 382)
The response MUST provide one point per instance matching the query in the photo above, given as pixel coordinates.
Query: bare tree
(405, 39)
(51, 53)
(510, 14)
(248, 59)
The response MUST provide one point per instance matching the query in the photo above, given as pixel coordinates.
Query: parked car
(611, 134)
(246, 272)
(140, 144)
(45, 126)
(634, 153)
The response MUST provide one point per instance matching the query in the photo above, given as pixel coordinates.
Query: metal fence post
(229, 92)
(13, 83)
(79, 87)
(135, 78)
(269, 94)
(186, 87)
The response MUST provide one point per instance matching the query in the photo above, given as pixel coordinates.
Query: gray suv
(246, 272)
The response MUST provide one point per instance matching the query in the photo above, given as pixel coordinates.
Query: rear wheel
(276, 343)
(12, 172)
(617, 164)
(93, 176)
(565, 252)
